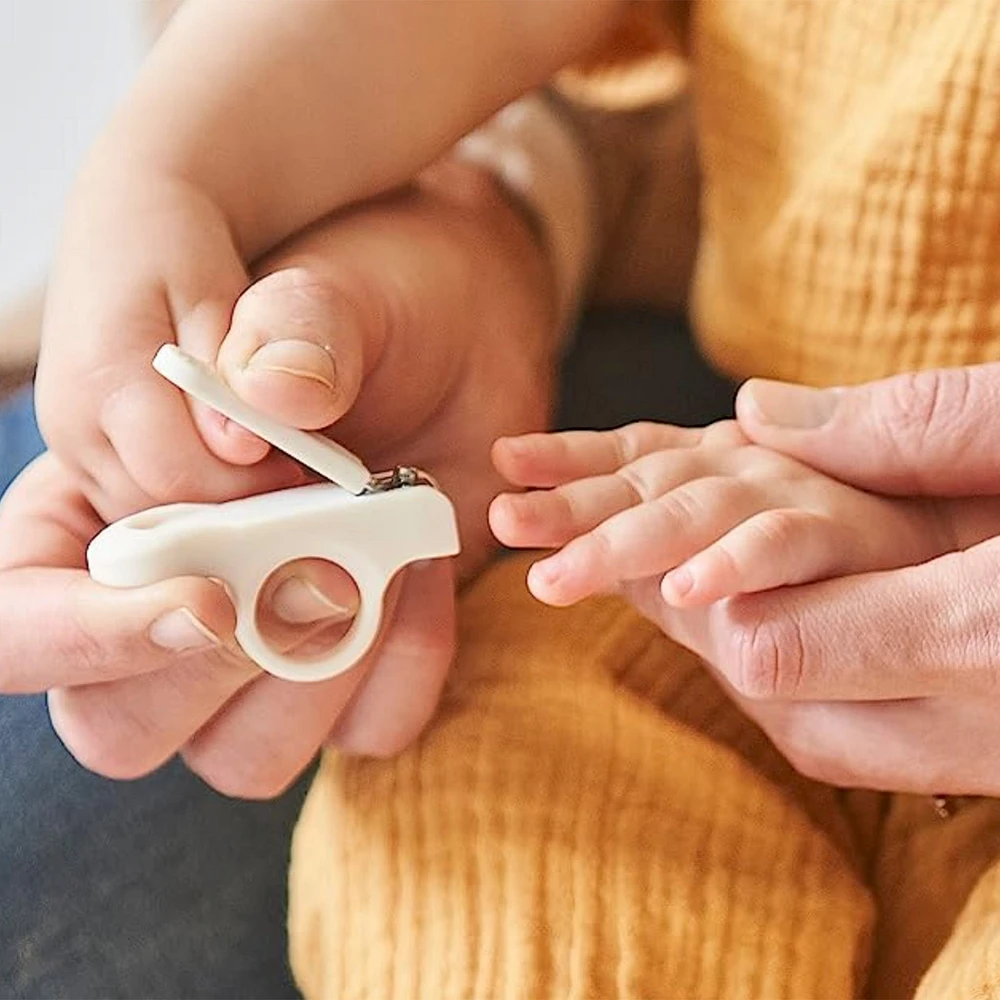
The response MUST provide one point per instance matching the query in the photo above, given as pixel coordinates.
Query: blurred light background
(64, 64)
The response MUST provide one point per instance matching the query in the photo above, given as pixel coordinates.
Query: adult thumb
(932, 433)
(294, 348)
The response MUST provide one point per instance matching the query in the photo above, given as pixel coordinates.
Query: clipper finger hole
(305, 609)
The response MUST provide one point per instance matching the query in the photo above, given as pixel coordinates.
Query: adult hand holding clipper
(136, 676)
(370, 525)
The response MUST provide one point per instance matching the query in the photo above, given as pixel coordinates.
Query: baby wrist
(536, 154)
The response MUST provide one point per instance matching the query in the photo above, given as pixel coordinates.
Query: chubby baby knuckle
(727, 560)
(687, 504)
(778, 530)
(640, 477)
(638, 438)
(762, 465)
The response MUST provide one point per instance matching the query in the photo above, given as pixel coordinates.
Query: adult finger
(932, 433)
(900, 746)
(399, 695)
(58, 627)
(316, 326)
(271, 731)
(924, 745)
(914, 632)
(307, 606)
(128, 727)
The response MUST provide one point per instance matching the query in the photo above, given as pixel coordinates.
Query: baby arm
(280, 111)
(706, 510)
(248, 123)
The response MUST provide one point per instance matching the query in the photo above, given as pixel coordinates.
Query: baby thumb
(932, 433)
(294, 349)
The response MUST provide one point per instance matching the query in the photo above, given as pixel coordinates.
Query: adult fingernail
(298, 358)
(300, 602)
(180, 631)
(796, 407)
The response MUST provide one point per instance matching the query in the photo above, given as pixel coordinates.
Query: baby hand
(149, 260)
(145, 261)
(709, 511)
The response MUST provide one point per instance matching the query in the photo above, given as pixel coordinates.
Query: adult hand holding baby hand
(887, 680)
(884, 675)
(366, 321)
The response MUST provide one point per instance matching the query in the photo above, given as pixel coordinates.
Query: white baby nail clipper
(369, 524)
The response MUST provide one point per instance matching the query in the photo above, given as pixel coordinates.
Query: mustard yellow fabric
(589, 816)
(851, 163)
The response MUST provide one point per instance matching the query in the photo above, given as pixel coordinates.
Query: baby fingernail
(300, 602)
(180, 631)
(796, 407)
(298, 358)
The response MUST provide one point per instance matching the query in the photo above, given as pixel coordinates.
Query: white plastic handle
(244, 541)
(319, 453)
